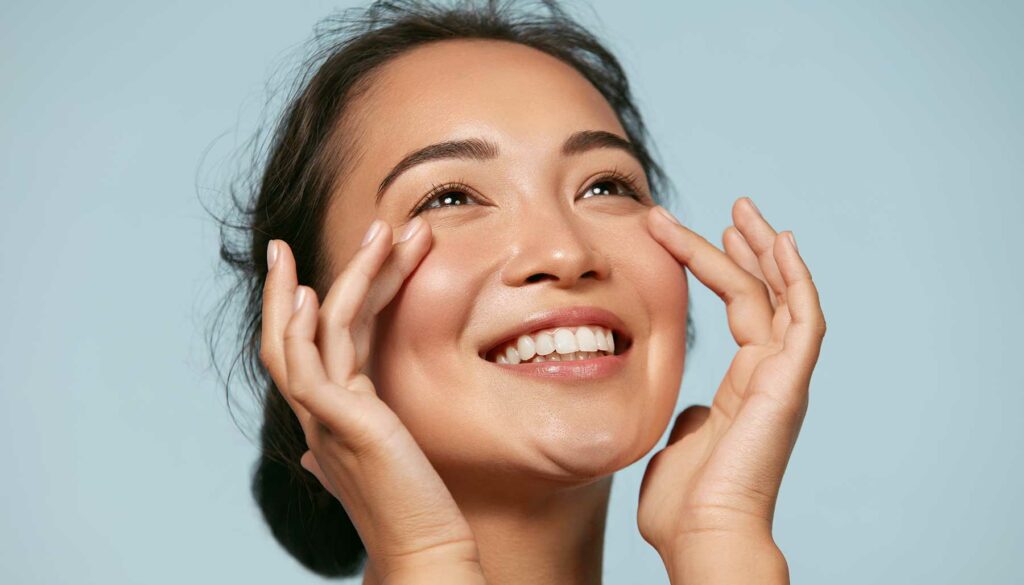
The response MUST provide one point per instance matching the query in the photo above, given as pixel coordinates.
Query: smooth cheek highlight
(661, 281)
(466, 412)
(420, 370)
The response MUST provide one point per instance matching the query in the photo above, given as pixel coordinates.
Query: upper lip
(562, 317)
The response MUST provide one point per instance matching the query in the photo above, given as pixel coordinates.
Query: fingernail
(271, 255)
(668, 215)
(300, 296)
(372, 232)
(411, 229)
(751, 201)
(792, 240)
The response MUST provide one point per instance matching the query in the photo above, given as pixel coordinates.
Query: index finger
(278, 306)
(748, 306)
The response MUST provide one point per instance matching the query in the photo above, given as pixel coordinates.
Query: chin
(590, 454)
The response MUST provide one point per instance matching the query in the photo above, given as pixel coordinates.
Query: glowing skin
(458, 469)
(528, 460)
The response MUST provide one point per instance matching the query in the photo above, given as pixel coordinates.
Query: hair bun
(309, 522)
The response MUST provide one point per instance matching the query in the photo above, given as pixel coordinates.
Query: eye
(447, 195)
(614, 183)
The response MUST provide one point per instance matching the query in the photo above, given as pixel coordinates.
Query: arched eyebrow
(481, 149)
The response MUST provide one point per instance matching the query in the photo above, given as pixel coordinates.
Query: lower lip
(583, 370)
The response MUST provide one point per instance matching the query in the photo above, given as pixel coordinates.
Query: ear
(687, 422)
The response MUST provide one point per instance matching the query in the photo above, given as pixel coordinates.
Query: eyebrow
(481, 149)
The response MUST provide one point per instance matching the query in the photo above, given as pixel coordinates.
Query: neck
(543, 533)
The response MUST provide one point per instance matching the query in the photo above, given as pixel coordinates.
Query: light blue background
(887, 135)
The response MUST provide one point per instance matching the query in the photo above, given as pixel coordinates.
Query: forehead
(525, 100)
(443, 87)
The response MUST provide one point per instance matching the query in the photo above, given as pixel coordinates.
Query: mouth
(560, 344)
(576, 334)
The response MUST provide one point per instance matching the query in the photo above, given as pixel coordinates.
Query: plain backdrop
(886, 135)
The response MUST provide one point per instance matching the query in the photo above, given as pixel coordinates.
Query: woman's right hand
(358, 448)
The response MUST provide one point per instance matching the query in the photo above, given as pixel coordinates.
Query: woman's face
(534, 228)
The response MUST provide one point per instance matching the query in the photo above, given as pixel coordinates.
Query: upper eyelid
(441, 189)
(633, 185)
(630, 180)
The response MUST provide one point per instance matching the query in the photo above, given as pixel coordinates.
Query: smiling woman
(453, 405)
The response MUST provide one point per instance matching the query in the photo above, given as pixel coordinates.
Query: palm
(723, 465)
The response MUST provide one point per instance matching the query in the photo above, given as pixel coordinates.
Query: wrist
(454, 574)
(723, 558)
(455, 563)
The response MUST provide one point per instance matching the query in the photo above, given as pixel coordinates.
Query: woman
(472, 311)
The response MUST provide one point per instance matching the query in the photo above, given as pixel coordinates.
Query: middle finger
(761, 237)
(370, 281)
(748, 307)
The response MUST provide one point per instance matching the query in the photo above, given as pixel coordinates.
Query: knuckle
(364, 271)
(264, 356)
(331, 316)
(292, 333)
(300, 392)
(754, 287)
(327, 317)
(821, 328)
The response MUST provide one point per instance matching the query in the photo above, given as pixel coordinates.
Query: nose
(555, 247)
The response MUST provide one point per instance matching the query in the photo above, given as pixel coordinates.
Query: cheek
(416, 362)
(659, 283)
(425, 374)
(428, 314)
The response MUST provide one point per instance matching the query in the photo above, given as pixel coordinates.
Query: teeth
(508, 358)
(565, 341)
(561, 344)
(526, 347)
(544, 344)
(570, 357)
(585, 339)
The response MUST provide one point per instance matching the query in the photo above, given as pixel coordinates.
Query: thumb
(688, 421)
(310, 464)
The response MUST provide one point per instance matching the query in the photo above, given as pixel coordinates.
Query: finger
(278, 302)
(308, 384)
(368, 283)
(765, 429)
(777, 391)
(310, 464)
(404, 258)
(806, 330)
(739, 250)
(760, 235)
(688, 421)
(748, 307)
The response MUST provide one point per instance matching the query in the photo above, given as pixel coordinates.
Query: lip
(576, 370)
(565, 317)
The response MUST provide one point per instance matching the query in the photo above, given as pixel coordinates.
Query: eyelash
(626, 179)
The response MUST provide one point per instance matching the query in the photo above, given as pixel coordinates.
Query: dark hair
(287, 201)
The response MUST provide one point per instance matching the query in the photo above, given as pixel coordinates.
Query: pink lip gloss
(589, 369)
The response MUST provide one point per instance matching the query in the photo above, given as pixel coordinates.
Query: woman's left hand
(716, 482)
